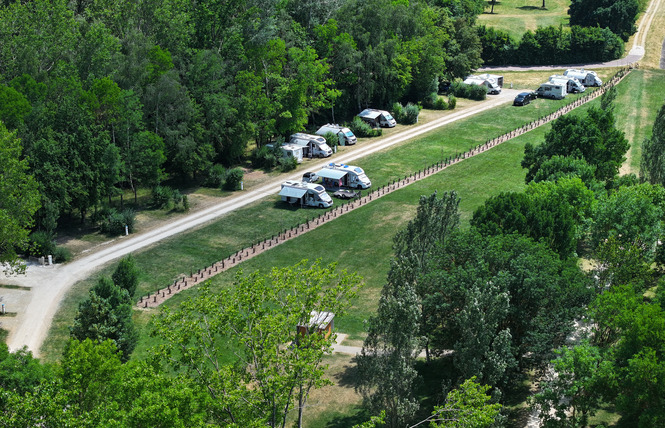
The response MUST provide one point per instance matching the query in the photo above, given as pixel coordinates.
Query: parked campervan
(552, 90)
(337, 175)
(572, 84)
(490, 83)
(290, 151)
(305, 194)
(346, 137)
(312, 145)
(586, 77)
(377, 118)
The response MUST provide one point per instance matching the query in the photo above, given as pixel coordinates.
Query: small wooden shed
(321, 322)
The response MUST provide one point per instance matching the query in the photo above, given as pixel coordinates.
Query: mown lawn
(518, 16)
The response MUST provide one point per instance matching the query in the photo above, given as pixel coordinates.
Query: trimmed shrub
(477, 92)
(440, 104)
(162, 196)
(62, 255)
(215, 176)
(287, 164)
(233, 179)
(406, 115)
(113, 222)
(362, 129)
(435, 102)
(452, 102)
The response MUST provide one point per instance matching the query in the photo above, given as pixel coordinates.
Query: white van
(555, 91)
(290, 151)
(572, 84)
(586, 77)
(346, 137)
(377, 118)
(312, 145)
(337, 175)
(305, 194)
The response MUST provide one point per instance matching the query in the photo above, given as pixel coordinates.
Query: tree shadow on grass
(349, 376)
(531, 8)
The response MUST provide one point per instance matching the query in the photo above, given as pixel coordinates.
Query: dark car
(524, 98)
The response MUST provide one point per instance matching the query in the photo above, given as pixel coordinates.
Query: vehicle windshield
(389, 117)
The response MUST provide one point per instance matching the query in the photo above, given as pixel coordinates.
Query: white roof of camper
(334, 174)
(371, 113)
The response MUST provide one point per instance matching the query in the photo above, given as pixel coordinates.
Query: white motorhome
(493, 77)
(305, 194)
(346, 137)
(290, 151)
(552, 90)
(312, 145)
(377, 118)
(336, 175)
(490, 83)
(586, 77)
(572, 84)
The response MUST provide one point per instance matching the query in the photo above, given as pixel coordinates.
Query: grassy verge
(518, 16)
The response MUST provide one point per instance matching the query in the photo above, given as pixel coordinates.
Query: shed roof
(320, 319)
(292, 192)
(332, 173)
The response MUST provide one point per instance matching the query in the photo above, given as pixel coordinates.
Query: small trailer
(337, 176)
(490, 83)
(290, 151)
(552, 90)
(346, 137)
(313, 146)
(377, 118)
(586, 77)
(305, 194)
(572, 84)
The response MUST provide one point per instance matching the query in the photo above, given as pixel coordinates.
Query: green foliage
(113, 222)
(467, 406)
(287, 163)
(452, 102)
(126, 275)
(617, 15)
(13, 107)
(19, 199)
(107, 315)
(233, 179)
(652, 165)
(558, 167)
(20, 372)
(332, 140)
(593, 138)
(275, 366)
(41, 244)
(362, 129)
(473, 92)
(406, 115)
(215, 175)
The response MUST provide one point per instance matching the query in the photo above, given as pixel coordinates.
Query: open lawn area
(518, 16)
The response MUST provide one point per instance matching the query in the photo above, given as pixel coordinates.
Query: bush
(406, 115)
(215, 176)
(265, 157)
(41, 244)
(162, 196)
(332, 140)
(477, 92)
(452, 102)
(362, 129)
(441, 104)
(288, 164)
(233, 179)
(114, 222)
(62, 255)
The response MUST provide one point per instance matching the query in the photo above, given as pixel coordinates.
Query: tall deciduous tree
(19, 200)
(652, 165)
(126, 275)
(274, 368)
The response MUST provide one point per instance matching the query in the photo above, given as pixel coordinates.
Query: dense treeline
(502, 298)
(106, 95)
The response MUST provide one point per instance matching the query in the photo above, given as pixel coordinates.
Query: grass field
(518, 16)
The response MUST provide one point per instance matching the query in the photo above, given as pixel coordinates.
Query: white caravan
(312, 145)
(552, 90)
(336, 175)
(586, 77)
(490, 83)
(572, 84)
(290, 151)
(377, 118)
(346, 137)
(305, 194)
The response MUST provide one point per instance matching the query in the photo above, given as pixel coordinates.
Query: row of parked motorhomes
(572, 81)
(335, 177)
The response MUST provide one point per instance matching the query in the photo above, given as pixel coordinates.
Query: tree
(126, 275)
(107, 314)
(13, 106)
(19, 200)
(558, 167)
(617, 15)
(386, 365)
(593, 138)
(273, 368)
(652, 164)
(466, 406)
